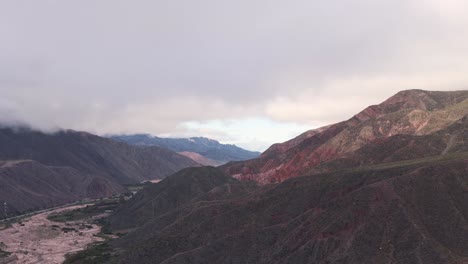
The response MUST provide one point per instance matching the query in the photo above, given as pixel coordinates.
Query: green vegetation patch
(95, 254)
(67, 216)
(85, 212)
(4, 254)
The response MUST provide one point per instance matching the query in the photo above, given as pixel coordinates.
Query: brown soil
(43, 241)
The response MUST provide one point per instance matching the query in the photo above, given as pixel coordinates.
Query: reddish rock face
(412, 112)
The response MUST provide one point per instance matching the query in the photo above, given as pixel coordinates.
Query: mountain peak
(413, 99)
(408, 113)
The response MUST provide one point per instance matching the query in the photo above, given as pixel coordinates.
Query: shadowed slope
(412, 213)
(172, 192)
(91, 154)
(29, 185)
(40, 170)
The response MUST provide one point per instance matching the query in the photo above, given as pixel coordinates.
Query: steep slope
(200, 159)
(91, 154)
(211, 149)
(27, 185)
(448, 141)
(172, 192)
(398, 213)
(413, 112)
(45, 169)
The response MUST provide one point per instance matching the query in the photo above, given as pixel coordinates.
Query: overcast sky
(249, 72)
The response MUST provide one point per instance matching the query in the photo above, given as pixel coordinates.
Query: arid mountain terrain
(39, 170)
(387, 186)
(412, 112)
(177, 190)
(397, 213)
(210, 152)
(30, 185)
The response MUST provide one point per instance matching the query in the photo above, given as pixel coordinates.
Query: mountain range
(40, 170)
(386, 186)
(394, 213)
(203, 150)
(408, 113)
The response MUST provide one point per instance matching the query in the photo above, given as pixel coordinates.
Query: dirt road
(39, 240)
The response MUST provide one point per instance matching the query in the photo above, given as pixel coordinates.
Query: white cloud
(152, 66)
(254, 133)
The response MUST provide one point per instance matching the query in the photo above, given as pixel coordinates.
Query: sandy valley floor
(44, 241)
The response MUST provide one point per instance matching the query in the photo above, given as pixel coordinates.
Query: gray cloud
(114, 66)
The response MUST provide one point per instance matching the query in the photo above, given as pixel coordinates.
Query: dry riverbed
(39, 240)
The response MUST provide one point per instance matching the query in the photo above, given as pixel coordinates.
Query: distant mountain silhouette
(214, 152)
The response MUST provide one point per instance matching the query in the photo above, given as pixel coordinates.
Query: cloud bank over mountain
(182, 67)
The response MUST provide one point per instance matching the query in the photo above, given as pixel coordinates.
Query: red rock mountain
(411, 112)
(387, 186)
(405, 214)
